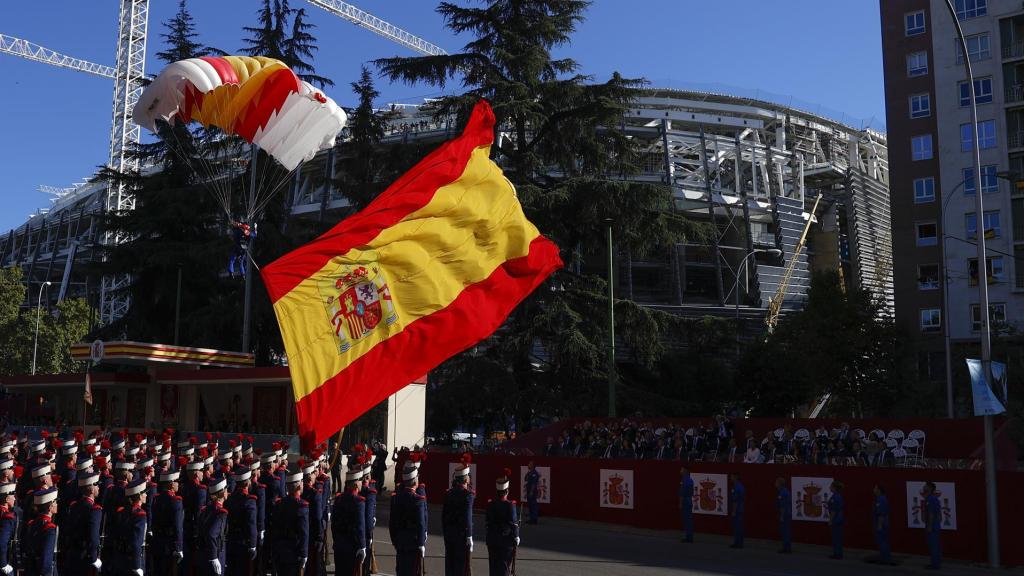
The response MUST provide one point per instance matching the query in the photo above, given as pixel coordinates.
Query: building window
(914, 23)
(989, 180)
(931, 320)
(920, 106)
(921, 147)
(993, 269)
(927, 234)
(970, 8)
(986, 135)
(928, 277)
(917, 64)
(924, 190)
(982, 92)
(996, 315)
(978, 47)
(992, 228)
(1017, 221)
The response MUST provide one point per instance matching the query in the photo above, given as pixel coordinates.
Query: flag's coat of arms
(357, 301)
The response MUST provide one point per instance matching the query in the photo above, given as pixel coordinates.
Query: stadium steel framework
(753, 168)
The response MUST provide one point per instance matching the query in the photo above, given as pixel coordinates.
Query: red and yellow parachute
(258, 99)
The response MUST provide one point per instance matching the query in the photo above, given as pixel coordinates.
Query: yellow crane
(775, 304)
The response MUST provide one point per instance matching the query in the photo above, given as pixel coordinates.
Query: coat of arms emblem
(357, 300)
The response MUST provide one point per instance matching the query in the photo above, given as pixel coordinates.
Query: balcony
(1015, 140)
(1013, 50)
(1014, 94)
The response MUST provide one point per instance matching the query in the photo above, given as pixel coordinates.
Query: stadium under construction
(754, 169)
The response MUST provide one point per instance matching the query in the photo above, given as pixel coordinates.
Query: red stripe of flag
(409, 193)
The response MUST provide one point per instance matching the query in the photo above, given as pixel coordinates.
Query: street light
(39, 306)
(611, 321)
(773, 252)
(991, 502)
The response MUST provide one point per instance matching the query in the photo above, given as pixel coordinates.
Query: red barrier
(576, 492)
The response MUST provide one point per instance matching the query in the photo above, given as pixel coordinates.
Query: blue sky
(821, 56)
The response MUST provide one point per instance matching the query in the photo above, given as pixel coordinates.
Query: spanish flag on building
(431, 267)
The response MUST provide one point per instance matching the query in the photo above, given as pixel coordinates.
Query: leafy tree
(804, 359)
(562, 148)
(59, 328)
(268, 37)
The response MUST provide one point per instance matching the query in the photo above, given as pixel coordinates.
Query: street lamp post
(611, 322)
(35, 342)
(774, 252)
(991, 504)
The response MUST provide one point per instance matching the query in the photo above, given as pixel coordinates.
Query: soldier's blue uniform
(532, 488)
(502, 533)
(686, 507)
(66, 493)
(242, 531)
(167, 513)
(836, 519)
(784, 505)
(82, 532)
(314, 498)
(933, 527)
(369, 493)
(211, 527)
(194, 498)
(736, 498)
(128, 536)
(40, 547)
(8, 520)
(457, 527)
(408, 530)
(348, 529)
(880, 523)
(289, 537)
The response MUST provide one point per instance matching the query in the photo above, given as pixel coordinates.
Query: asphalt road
(558, 547)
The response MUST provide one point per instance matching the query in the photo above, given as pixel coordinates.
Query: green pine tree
(180, 36)
(299, 49)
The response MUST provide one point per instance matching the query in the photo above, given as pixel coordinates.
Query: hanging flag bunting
(985, 401)
(431, 267)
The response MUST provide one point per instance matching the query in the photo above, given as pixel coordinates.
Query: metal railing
(1015, 139)
(1012, 49)
(1014, 94)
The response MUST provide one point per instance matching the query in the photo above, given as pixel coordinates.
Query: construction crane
(128, 73)
(775, 304)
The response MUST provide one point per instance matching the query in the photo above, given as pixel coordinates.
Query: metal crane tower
(32, 51)
(378, 26)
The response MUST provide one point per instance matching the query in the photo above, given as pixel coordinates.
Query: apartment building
(934, 219)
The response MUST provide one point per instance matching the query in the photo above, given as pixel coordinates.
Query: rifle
(15, 546)
(56, 538)
(515, 552)
(372, 558)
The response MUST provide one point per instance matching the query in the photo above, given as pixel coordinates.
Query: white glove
(517, 540)
(178, 555)
(97, 564)
(261, 535)
(252, 553)
(138, 571)
(469, 542)
(7, 569)
(302, 563)
(360, 554)
(423, 551)
(216, 566)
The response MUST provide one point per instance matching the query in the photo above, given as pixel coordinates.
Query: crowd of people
(159, 503)
(716, 441)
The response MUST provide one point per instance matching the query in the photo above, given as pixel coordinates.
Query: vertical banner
(472, 474)
(617, 489)
(543, 485)
(169, 402)
(810, 498)
(944, 491)
(88, 388)
(710, 494)
(985, 401)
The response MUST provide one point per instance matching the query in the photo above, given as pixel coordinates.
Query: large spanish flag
(432, 266)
